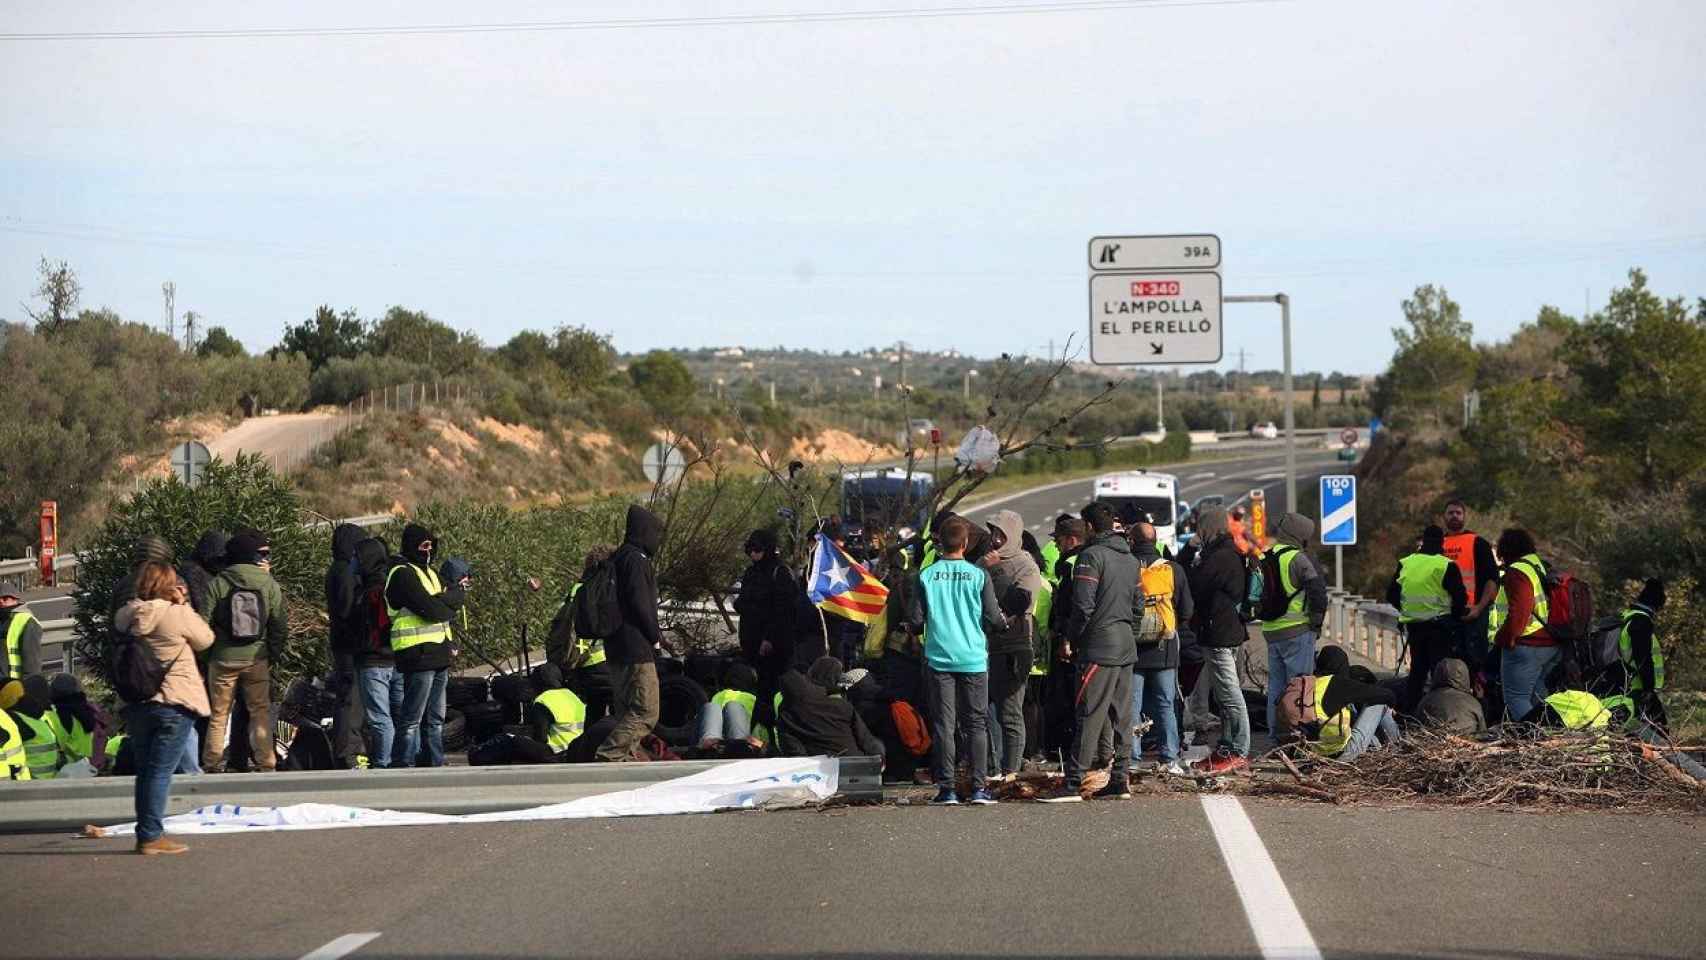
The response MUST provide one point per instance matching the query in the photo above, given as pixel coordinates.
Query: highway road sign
(1155, 318)
(1348, 436)
(1190, 251)
(189, 460)
(1338, 510)
(663, 463)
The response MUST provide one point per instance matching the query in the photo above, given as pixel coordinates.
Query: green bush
(344, 380)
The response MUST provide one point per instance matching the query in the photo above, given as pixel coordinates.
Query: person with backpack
(1642, 662)
(953, 604)
(379, 685)
(1294, 603)
(249, 621)
(1107, 602)
(1527, 651)
(1427, 588)
(167, 636)
(1353, 712)
(420, 607)
(1010, 648)
(581, 659)
(1167, 602)
(1220, 582)
(769, 605)
(628, 594)
(346, 636)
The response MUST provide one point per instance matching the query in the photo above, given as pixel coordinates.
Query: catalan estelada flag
(840, 586)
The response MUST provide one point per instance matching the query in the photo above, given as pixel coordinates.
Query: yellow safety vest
(589, 651)
(1626, 651)
(1531, 568)
(409, 629)
(21, 618)
(14, 764)
(1294, 615)
(1579, 710)
(1421, 586)
(728, 695)
(1335, 733)
(41, 747)
(568, 717)
(76, 743)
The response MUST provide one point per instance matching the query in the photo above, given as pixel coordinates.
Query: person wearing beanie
(250, 621)
(421, 605)
(769, 605)
(21, 632)
(1427, 588)
(817, 719)
(205, 563)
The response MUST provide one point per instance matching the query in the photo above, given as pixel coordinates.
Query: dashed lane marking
(1278, 928)
(342, 946)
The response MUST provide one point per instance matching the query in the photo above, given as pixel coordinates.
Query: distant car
(1265, 431)
(1347, 453)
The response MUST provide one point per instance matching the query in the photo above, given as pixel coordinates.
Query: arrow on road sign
(1156, 348)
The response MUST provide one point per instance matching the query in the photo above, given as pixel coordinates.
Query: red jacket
(1519, 597)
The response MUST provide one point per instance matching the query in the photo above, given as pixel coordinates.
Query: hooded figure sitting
(1451, 705)
(817, 720)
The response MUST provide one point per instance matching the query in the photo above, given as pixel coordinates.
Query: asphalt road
(1151, 877)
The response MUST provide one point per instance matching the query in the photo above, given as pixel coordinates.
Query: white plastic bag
(75, 771)
(980, 450)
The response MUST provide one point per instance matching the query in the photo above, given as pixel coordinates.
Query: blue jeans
(157, 734)
(1221, 665)
(1524, 671)
(1155, 694)
(421, 724)
(190, 762)
(381, 698)
(1287, 659)
(732, 722)
(1371, 722)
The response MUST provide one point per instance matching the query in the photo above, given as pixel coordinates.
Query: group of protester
(995, 653)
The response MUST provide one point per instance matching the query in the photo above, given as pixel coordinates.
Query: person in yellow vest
(14, 761)
(727, 724)
(81, 726)
(22, 633)
(1167, 603)
(1291, 636)
(1427, 588)
(1642, 660)
(42, 749)
(1356, 711)
(581, 659)
(557, 715)
(421, 607)
(1527, 652)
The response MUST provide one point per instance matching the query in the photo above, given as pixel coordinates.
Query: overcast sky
(848, 183)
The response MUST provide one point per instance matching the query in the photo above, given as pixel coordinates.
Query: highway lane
(1151, 877)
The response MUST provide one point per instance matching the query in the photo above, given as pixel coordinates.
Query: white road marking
(1274, 921)
(1199, 476)
(342, 946)
(1269, 476)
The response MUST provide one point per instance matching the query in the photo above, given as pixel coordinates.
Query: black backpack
(137, 674)
(1273, 601)
(598, 615)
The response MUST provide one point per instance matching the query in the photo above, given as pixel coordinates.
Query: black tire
(679, 701)
(455, 730)
(513, 689)
(461, 691)
(482, 721)
(311, 749)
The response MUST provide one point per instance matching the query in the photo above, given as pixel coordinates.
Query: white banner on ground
(743, 785)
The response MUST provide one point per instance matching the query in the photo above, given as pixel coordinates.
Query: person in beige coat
(162, 619)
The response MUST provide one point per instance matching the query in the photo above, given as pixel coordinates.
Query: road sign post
(663, 463)
(1259, 518)
(49, 540)
(1284, 302)
(1339, 519)
(189, 460)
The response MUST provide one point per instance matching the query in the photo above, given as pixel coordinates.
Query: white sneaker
(1172, 769)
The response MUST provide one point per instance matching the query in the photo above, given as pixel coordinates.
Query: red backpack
(378, 619)
(1570, 606)
(910, 727)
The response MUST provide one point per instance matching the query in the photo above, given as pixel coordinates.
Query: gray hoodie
(1451, 705)
(1011, 567)
(1294, 530)
(1107, 600)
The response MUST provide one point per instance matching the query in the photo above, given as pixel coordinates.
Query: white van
(1155, 497)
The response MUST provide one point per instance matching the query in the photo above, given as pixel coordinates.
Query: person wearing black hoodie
(1218, 586)
(206, 561)
(630, 651)
(1357, 710)
(768, 605)
(345, 635)
(421, 608)
(380, 684)
(817, 720)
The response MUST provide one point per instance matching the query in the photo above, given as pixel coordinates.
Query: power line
(1024, 7)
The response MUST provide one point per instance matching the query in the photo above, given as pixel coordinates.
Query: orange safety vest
(1460, 547)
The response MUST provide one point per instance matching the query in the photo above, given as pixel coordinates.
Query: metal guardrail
(1364, 627)
(70, 804)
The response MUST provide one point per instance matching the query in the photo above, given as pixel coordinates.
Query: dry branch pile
(1523, 766)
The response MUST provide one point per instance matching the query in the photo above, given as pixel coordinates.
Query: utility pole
(190, 318)
(170, 291)
(1160, 414)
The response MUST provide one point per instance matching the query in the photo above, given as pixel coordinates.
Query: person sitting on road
(726, 722)
(42, 748)
(1357, 712)
(1450, 705)
(817, 720)
(557, 715)
(82, 727)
